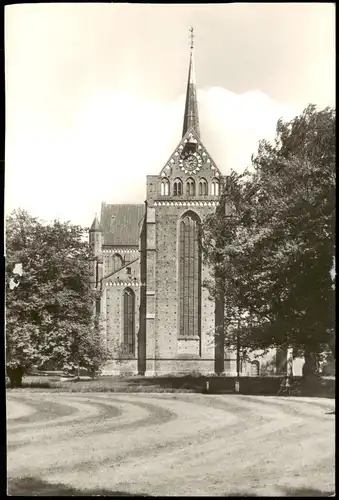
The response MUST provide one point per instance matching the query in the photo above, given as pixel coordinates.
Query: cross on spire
(191, 35)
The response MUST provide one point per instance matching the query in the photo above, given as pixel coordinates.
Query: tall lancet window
(177, 187)
(203, 187)
(215, 187)
(129, 317)
(189, 275)
(118, 262)
(190, 187)
(164, 187)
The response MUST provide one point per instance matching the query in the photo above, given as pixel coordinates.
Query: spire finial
(191, 30)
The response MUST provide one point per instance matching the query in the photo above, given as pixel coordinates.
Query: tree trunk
(15, 376)
(311, 365)
(310, 384)
(332, 345)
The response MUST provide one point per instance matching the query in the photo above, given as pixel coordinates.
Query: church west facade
(158, 318)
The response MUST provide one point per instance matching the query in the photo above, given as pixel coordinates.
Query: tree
(275, 245)
(50, 312)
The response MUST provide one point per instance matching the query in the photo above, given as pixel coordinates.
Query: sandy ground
(169, 444)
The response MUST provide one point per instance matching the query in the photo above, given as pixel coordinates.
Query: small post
(238, 349)
(237, 382)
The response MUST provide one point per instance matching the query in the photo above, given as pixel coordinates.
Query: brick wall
(167, 294)
(112, 310)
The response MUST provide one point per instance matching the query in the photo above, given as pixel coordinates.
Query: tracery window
(215, 187)
(177, 187)
(189, 276)
(164, 187)
(190, 187)
(129, 319)
(118, 262)
(203, 187)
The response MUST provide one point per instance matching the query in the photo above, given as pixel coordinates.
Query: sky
(95, 92)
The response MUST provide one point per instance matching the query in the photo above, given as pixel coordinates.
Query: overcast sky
(95, 92)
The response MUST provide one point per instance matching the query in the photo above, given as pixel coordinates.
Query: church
(158, 318)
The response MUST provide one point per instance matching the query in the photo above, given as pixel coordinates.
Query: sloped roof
(121, 224)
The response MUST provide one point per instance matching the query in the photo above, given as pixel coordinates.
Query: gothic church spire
(95, 225)
(191, 117)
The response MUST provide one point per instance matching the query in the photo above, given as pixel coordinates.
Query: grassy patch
(171, 384)
(31, 486)
(103, 384)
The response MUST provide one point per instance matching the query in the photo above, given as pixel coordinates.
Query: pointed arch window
(129, 321)
(189, 276)
(215, 187)
(118, 262)
(164, 187)
(177, 187)
(203, 187)
(190, 187)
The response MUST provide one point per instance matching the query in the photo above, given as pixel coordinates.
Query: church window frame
(177, 187)
(165, 187)
(190, 187)
(203, 187)
(215, 187)
(128, 321)
(189, 275)
(115, 265)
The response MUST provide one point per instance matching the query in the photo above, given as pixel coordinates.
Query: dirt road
(169, 444)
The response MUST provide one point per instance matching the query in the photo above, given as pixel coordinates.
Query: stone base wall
(117, 368)
(184, 366)
(175, 366)
(187, 366)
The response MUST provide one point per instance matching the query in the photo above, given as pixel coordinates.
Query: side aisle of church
(158, 318)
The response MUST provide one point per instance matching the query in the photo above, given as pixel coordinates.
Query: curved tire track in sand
(165, 444)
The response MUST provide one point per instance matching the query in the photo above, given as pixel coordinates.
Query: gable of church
(190, 172)
(190, 158)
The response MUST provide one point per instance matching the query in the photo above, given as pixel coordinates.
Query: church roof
(121, 224)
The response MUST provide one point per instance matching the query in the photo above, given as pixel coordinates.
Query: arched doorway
(255, 368)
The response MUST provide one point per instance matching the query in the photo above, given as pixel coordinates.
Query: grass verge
(167, 384)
